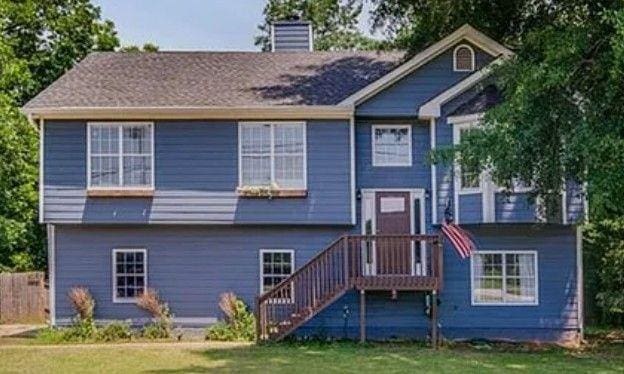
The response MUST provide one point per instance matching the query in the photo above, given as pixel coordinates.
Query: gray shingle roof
(166, 79)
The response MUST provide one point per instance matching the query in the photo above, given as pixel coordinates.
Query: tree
(412, 24)
(147, 47)
(52, 36)
(334, 23)
(39, 41)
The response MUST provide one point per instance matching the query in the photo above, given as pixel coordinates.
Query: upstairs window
(272, 155)
(463, 58)
(504, 277)
(392, 145)
(469, 178)
(120, 155)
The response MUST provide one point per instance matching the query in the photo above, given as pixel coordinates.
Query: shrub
(114, 331)
(239, 324)
(604, 255)
(83, 327)
(53, 335)
(162, 323)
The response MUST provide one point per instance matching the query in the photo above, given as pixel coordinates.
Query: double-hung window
(272, 155)
(469, 178)
(392, 145)
(120, 155)
(129, 274)
(504, 278)
(275, 266)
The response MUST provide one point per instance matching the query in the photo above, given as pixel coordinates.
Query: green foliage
(39, 41)
(604, 256)
(238, 326)
(147, 47)
(114, 331)
(162, 324)
(52, 36)
(334, 23)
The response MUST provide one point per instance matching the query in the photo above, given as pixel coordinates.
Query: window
(504, 277)
(463, 58)
(272, 155)
(129, 274)
(392, 145)
(469, 177)
(120, 155)
(275, 266)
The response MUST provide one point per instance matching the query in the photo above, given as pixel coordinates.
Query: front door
(393, 217)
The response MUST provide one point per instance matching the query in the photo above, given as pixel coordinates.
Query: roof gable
(465, 32)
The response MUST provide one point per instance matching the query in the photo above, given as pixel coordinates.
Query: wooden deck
(395, 283)
(362, 262)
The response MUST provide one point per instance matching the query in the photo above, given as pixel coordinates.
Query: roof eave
(194, 112)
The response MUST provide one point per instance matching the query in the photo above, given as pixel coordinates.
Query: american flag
(460, 238)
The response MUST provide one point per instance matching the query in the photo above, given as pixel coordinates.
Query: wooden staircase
(363, 262)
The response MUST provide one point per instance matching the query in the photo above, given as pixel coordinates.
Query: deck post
(362, 316)
(434, 319)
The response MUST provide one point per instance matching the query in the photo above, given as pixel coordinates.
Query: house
(302, 176)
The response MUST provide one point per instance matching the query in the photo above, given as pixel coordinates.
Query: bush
(604, 255)
(162, 325)
(239, 324)
(53, 335)
(114, 331)
(83, 327)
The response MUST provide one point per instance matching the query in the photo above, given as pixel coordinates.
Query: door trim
(415, 193)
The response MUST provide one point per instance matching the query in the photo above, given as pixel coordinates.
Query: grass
(343, 357)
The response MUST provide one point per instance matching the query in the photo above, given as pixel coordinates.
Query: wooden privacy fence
(23, 297)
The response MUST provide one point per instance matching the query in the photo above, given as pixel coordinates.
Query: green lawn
(309, 357)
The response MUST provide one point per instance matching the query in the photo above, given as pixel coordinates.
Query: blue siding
(555, 318)
(406, 96)
(196, 165)
(575, 202)
(515, 207)
(470, 208)
(190, 266)
(416, 176)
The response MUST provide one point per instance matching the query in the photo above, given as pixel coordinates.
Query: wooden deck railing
(375, 262)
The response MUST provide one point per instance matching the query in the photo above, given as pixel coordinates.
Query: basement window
(129, 274)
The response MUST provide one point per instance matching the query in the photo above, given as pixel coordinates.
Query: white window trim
(472, 55)
(272, 164)
(262, 275)
(409, 137)
(120, 187)
(369, 196)
(473, 302)
(127, 300)
(457, 128)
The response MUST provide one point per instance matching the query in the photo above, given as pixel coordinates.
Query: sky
(216, 25)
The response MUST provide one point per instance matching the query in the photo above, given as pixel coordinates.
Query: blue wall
(405, 97)
(555, 318)
(196, 165)
(190, 266)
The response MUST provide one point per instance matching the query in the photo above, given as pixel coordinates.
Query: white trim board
(466, 32)
(287, 112)
(52, 273)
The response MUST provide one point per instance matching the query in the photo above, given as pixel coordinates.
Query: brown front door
(393, 211)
